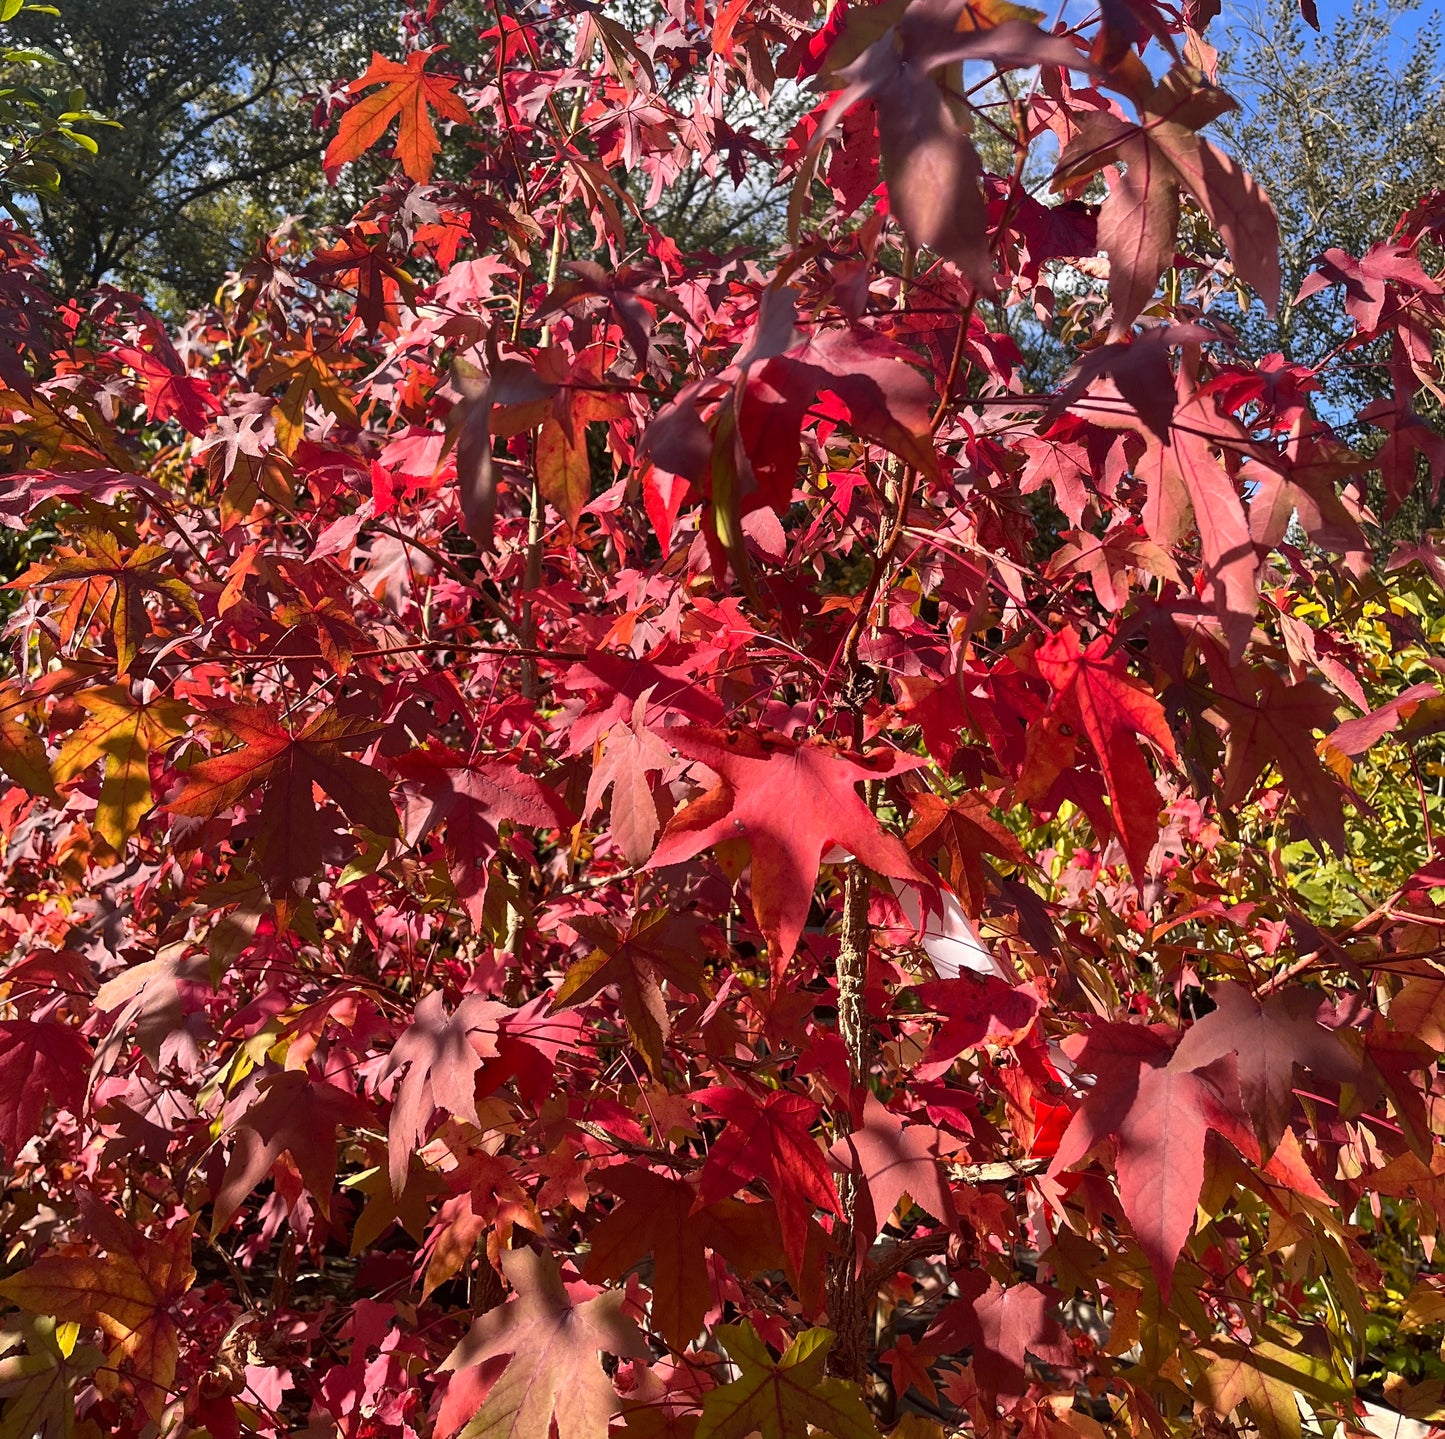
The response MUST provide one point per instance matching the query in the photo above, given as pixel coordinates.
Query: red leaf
(284, 766)
(296, 1115)
(441, 1054)
(1094, 691)
(1002, 1327)
(771, 1142)
(1158, 1113)
(40, 1063)
(892, 1159)
(553, 1373)
(789, 803)
(660, 1216)
(472, 797)
(1268, 1040)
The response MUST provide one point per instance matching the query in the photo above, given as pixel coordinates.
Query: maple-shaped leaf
(122, 732)
(362, 259)
(441, 1054)
(564, 467)
(1158, 1113)
(1269, 1040)
(284, 766)
(22, 751)
(614, 684)
(1096, 694)
(553, 1340)
(40, 1062)
(629, 754)
(891, 1158)
(130, 1294)
(789, 803)
(471, 797)
(1375, 285)
(659, 1216)
(111, 570)
(964, 831)
(1408, 440)
(929, 163)
(1138, 372)
(1270, 728)
(170, 393)
(1111, 559)
(408, 94)
(655, 946)
(40, 1383)
(294, 1114)
(306, 369)
(977, 1009)
(1268, 1375)
(787, 1398)
(1139, 219)
(1001, 1326)
(907, 1364)
(773, 1142)
(1186, 479)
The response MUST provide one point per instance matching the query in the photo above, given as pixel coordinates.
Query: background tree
(217, 139)
(1346, 131)
(44, 123)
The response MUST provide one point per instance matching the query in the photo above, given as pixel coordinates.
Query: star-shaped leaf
(440, 1054)
(1001, 1326)
(553, 1341)
(39, 1384)
(471, 797)
(789, 803)
(40, 1063)
(1269, 1040)
(655, 947)
(629, 754)
(122, 732)
(785, 1398)
(407, 95)
(284, 766)
(129, 1294)
(298, 1115)
(771, 1141)
(1095, 693)
(892, 1159)
(659, 1216)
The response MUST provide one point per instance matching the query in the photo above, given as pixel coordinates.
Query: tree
(1346, 131)
(39, 127)
(576, 862)
(216, 140)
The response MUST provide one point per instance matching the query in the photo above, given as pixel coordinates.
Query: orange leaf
(407, 95)
(129, 1294)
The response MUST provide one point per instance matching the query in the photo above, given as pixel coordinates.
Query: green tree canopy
(217, 139)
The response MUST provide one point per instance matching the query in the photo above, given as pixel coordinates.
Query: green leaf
(781, 1399)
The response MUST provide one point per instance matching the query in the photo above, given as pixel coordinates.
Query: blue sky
(1329, 12)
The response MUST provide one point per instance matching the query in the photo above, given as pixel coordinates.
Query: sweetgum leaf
(782, 1398)
(553, 1373)
(40, 1062)
(129, 1294)
(408, 94)
(789, 803)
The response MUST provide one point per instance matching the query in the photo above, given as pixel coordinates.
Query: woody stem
(849, 1300)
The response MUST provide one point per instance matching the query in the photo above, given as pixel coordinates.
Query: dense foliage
(605, 836)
